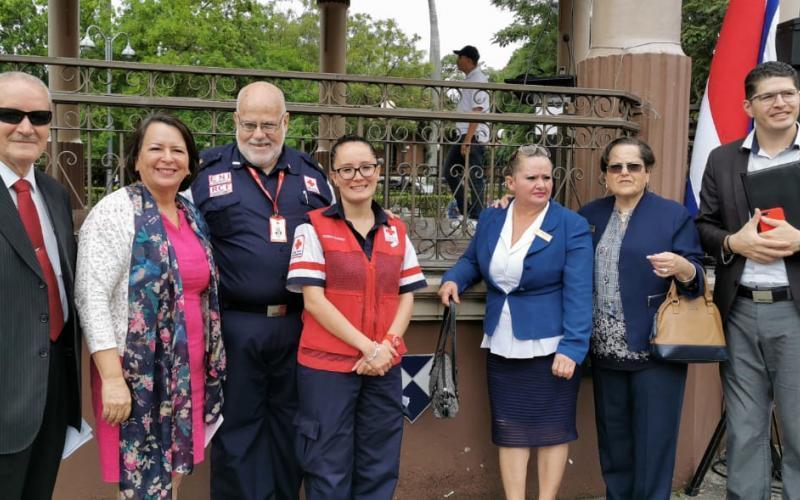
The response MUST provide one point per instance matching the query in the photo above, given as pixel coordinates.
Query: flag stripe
(736, 54)
(747, 38)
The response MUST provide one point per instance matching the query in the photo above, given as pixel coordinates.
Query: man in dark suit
(757, 288)
(40, 354)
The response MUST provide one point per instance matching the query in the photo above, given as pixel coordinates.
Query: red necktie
(30, 219)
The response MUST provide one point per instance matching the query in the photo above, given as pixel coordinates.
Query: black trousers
(30, 474)
(252, 454)
(454, 175)
(638, 415)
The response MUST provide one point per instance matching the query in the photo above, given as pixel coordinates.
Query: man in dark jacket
(757, 288)
(40, 358)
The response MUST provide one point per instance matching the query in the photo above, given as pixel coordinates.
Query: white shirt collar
(750, 142)
(10, 177)
(530, 233)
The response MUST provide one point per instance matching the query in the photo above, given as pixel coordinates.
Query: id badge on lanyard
(277, 223)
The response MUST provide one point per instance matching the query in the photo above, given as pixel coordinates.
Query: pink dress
(195, 275)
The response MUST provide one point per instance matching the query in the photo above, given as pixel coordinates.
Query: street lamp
(87, 42)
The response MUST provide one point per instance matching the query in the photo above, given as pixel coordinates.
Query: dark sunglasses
(15, 116)
(616, 168)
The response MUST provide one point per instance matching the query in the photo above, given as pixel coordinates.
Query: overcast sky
(461, 22)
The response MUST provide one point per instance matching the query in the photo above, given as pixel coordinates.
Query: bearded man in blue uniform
(253, 194)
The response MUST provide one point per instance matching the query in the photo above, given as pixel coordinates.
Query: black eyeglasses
(15, 116)
(348, 172)
(266, 127)
(769, 98)
(633, 168)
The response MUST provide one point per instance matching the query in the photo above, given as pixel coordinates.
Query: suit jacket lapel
(601, 217)
(489, 240)
(11, 227)
(549, 224)
(494, 233)
(739, 194)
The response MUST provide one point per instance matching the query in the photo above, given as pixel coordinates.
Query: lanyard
(274, 201)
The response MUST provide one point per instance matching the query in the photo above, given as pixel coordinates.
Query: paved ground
(713, 488)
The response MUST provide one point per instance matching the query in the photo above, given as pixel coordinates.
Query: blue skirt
(530, 406)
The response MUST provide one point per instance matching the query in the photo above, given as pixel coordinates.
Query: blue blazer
(554, 296)
(656, 225)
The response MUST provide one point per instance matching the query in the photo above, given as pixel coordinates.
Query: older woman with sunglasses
(642, 243)
(536, 259)
(357, 270)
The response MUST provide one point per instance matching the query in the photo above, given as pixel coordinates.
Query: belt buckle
(276, 311)
(762, 296)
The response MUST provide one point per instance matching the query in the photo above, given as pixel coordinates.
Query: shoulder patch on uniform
(311, 184)
(298, 246)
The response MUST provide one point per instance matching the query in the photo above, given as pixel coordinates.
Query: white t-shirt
(471, 99)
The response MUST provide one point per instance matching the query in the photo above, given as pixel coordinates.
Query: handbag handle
(448, 331)
(674, 297)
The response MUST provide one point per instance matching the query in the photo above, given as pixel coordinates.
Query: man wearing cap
(469, 147)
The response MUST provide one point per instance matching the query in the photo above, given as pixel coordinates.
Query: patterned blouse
(609, 345)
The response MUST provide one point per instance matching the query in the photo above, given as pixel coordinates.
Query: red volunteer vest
(365, 291)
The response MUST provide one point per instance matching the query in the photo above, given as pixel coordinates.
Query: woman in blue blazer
(642, 243)
(536, 259)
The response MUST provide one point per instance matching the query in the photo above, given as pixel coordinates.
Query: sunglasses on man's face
(14, 116)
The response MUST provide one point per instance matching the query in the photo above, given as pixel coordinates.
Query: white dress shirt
(505, 270)
(48, 231)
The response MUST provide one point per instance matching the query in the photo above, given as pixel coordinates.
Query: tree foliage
(222, 33)
(535, 26)
(702, 21)
(23, 28)
(248, 34)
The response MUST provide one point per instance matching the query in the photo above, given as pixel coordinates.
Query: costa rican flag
(747, 38)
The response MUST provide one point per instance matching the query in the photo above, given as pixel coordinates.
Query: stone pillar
(635, 46)
(66, 149)
(332, 59)
(573, 33)
(789, 10)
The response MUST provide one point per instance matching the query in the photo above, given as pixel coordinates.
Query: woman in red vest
(357, 270)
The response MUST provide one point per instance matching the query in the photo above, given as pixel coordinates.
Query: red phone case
(772, 213)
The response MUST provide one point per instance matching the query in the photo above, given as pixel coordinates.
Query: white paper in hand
(76, 439)
(212, 429)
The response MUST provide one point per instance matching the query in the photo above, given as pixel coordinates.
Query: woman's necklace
(624, 216)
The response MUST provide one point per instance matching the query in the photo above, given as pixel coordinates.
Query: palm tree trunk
(436, 74)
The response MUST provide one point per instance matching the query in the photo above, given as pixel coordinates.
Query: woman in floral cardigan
(146, 290)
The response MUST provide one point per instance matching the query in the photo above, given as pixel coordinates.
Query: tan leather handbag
(688, 330)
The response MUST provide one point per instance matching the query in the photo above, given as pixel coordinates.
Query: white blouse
(505, 270)
(101, 277)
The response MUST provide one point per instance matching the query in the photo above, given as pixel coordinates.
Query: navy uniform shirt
(252, 268)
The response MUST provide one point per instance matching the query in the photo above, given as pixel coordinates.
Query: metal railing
(410, 122)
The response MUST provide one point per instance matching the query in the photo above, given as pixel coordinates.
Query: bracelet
(374, 353)
(393, 339)
(726, 244)
(690, 280)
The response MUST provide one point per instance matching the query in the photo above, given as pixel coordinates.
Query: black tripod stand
(693, 488)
